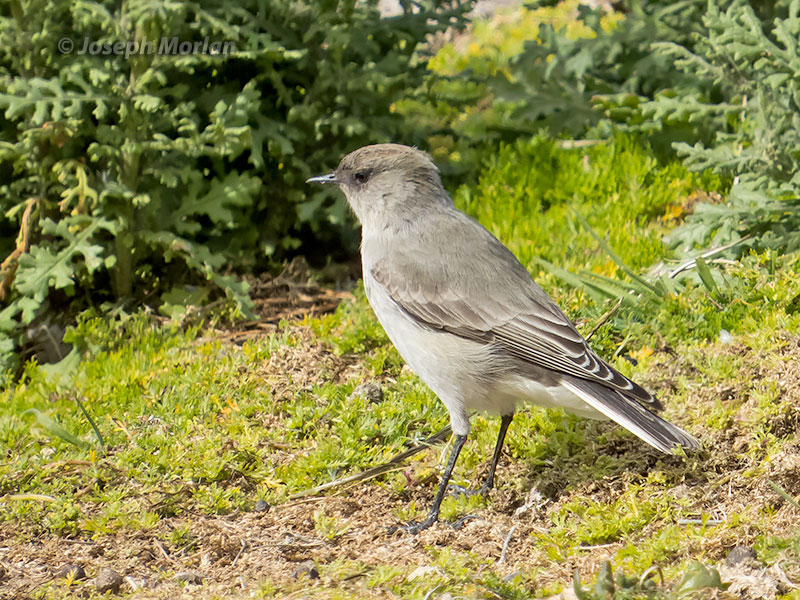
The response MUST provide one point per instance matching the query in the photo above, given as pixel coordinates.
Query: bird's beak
(329, 178)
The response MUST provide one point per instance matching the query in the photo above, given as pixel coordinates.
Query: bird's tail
(634, 417)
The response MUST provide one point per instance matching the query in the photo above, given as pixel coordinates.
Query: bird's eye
(361, 176)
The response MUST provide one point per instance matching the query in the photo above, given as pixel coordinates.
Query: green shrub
(465, 117)
(575, 74)
(543, 67)
(715, 81)
(756, 67)
(123, 177)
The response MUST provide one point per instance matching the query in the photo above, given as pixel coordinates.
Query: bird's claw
(413, 527)
(458, 490)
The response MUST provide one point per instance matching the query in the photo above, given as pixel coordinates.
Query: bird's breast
(460, 371)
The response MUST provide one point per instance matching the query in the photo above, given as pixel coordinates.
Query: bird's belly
(459, 371)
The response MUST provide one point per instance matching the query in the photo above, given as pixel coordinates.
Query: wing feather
(495, 301)
(533, 331)
(654, 430)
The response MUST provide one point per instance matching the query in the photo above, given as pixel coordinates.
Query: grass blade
(783, 494)
(645, 285)
(598, 293)
(668, 284)
(706, 276)
(53, 428)
(34, 497)
(91, 422)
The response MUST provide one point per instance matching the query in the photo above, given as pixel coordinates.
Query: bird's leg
(433, 516)
(505, 421)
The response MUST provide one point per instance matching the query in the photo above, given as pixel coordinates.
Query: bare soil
(236, 553)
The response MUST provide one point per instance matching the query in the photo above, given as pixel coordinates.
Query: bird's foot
(457, 490)
(414, 527)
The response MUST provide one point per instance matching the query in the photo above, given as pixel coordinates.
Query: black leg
(433, 516)
(505, 421)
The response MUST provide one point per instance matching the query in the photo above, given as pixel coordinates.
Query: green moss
(196, 427)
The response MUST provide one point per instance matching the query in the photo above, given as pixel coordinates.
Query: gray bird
(466, 315)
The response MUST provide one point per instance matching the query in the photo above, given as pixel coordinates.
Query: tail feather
(634, 417)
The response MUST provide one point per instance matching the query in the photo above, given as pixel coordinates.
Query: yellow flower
(641, 354)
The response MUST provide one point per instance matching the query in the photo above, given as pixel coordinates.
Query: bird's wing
(512, 313)
(517, 317)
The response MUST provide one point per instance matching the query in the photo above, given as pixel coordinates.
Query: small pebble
(107, 580)
(739, 555)
(371, 391)
(424, 572)
(261, 506)
(69, 570)
(189, 577)
(136, 583)
(307, 569)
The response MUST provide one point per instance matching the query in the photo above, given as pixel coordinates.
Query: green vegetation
(126, 178)
(756, 66)
(153, 178)
(197, 428)
(530, 193)
(715, 82)
(165, 445)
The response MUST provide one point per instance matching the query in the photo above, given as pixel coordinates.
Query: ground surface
(566, 508)
(208, 435)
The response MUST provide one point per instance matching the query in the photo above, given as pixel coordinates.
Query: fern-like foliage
(755, 65)
(125, 175)
(715, 81)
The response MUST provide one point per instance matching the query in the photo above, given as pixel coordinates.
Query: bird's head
(385, 183)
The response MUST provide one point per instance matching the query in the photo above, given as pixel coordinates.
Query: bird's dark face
(382, 179)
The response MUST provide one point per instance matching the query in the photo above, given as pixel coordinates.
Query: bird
(468, 318)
